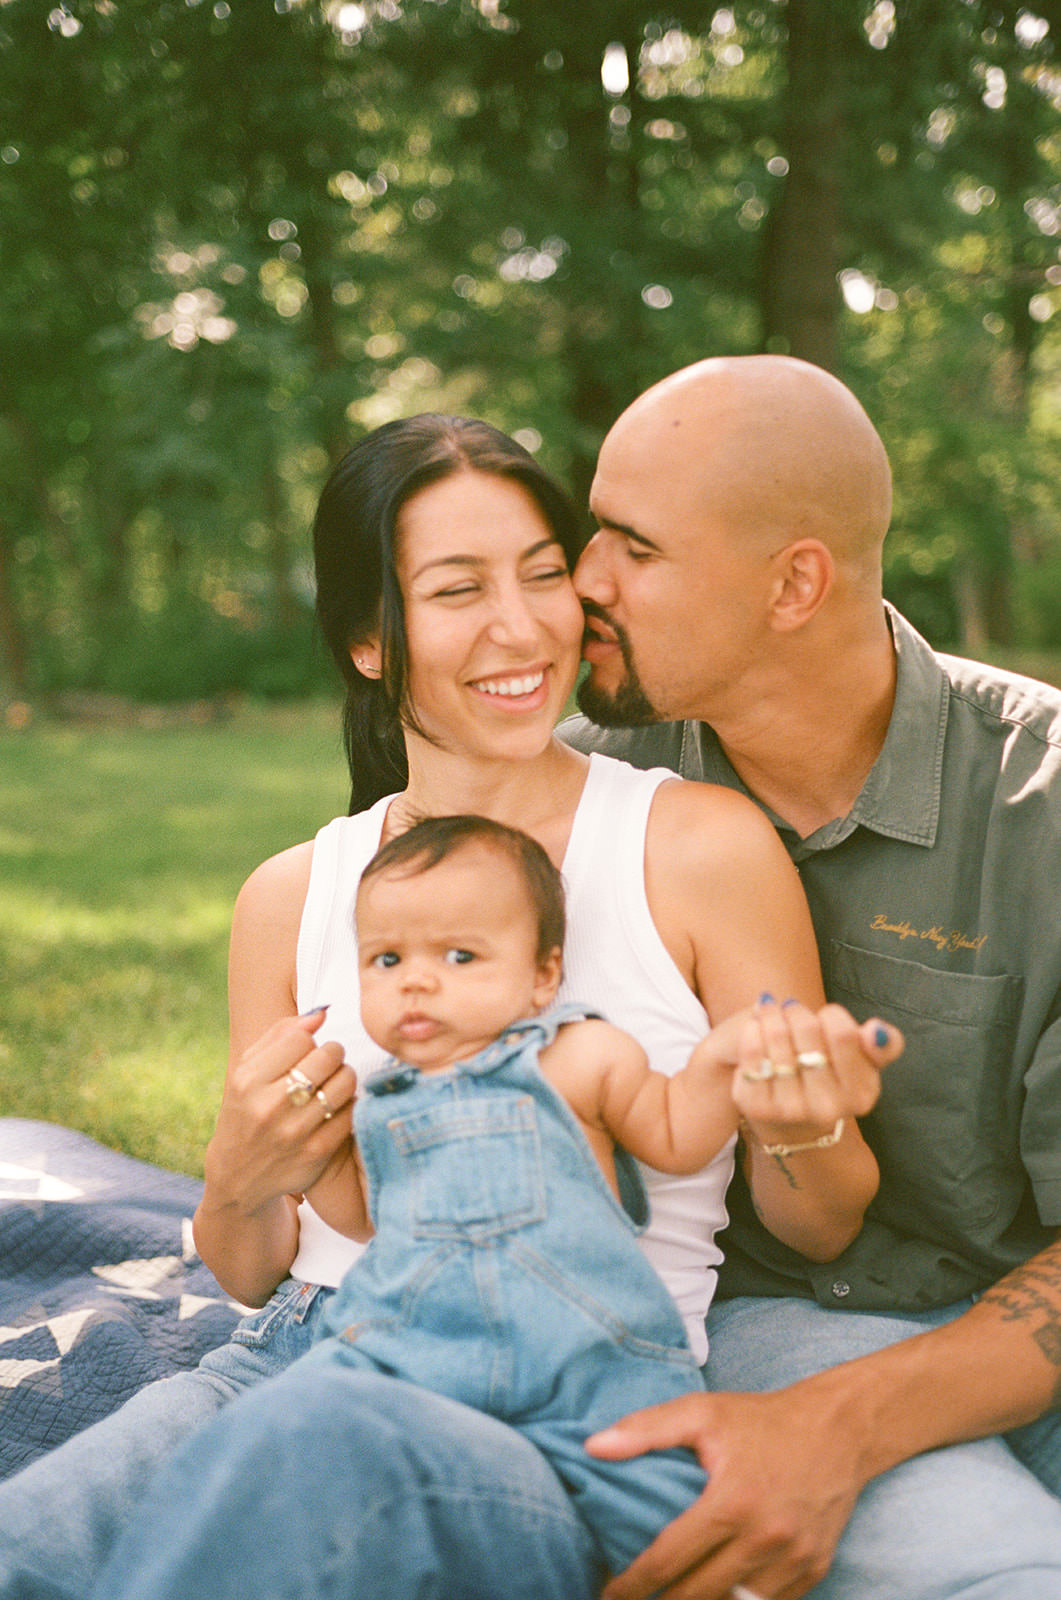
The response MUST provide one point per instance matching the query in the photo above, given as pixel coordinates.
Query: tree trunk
(284, 606)
(14, 654)
(800, 302)
(969, 603)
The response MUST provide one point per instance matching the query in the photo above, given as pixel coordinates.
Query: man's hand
(783, 1482)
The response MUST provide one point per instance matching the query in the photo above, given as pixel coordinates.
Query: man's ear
(804, 575)
(547, 981)
(367, 657)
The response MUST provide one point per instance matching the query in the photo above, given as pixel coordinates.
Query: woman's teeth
(511, 686)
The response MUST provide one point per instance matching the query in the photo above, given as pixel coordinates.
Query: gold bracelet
(826, 1140)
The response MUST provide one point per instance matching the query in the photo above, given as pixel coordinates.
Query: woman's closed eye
(457, 591)
(550, 574)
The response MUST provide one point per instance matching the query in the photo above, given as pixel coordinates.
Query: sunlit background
(234, 235)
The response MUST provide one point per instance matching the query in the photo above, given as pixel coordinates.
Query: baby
(494, 1153)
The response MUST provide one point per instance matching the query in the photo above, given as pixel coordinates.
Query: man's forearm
(991, 1369)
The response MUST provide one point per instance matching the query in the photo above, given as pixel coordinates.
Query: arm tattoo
(1032, 1294)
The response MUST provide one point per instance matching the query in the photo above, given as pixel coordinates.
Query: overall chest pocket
(474, 1167)
(946, 1127)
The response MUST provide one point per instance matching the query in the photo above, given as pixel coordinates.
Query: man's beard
(629, 706)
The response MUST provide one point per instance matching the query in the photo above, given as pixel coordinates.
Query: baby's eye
(459, 958)
(386, 958)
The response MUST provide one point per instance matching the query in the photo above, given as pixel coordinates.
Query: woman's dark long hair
(358, 593)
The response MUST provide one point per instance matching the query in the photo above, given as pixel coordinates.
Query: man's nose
(593, 575)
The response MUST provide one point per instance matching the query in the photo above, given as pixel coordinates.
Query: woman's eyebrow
(481, 561)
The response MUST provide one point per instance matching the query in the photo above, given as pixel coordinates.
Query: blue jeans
(970, 1520)
(60, 1517)
(364, 1485)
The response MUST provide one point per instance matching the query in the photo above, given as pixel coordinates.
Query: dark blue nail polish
(312, 1012)
(766, 999)
(880, 1037)
(789, 1002)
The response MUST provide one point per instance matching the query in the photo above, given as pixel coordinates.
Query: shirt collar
(901, 796)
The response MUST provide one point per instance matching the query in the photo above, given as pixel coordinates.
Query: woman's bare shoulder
(276, 890)
(709, 822)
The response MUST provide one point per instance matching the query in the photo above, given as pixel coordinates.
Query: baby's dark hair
(430, 841)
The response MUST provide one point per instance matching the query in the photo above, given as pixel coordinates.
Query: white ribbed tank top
(614, 961)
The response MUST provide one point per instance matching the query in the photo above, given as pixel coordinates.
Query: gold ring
(812, 1060)
(300, 1089)
(765, 1071)
(323, 1098)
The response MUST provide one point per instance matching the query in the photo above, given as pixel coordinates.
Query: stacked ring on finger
(768, 1069)
(323, 1098)
(812, 1060)
(300, 1089)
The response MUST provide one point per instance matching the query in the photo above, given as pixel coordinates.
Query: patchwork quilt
(101, 1290)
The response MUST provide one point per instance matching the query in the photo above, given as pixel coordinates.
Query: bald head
(772, 448)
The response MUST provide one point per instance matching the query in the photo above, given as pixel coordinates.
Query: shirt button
(841, 1289)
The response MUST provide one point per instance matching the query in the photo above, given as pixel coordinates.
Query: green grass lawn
(121, 851)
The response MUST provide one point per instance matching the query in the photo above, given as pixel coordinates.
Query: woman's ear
(803, 579)
(367, 657)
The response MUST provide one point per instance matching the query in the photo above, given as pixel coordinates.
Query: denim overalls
(505, 1274)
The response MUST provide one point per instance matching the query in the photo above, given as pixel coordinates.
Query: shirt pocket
(474, 1168)
(946, 1128)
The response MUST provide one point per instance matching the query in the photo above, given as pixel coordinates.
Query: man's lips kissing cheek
(600, 639)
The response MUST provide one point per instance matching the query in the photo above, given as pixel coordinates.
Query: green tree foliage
(235, 235)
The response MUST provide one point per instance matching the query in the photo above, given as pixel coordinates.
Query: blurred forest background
(234, 233)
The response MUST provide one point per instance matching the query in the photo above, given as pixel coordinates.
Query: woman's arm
(730, 908)
(265, 1152)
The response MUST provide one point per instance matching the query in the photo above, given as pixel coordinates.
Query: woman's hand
(285, 1112)
(802, 1080)
(275, 1136)
(800, 1073)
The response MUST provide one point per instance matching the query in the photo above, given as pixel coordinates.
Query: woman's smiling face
(492, 621)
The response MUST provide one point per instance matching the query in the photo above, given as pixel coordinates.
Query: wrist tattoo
(787, 1173)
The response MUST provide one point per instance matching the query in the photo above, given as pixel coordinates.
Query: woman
(443, 590)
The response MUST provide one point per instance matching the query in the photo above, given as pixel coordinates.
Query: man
(735, 627)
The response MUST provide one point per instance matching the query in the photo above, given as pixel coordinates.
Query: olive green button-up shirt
(937, 904)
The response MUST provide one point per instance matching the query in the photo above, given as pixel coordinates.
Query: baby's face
(447, 957)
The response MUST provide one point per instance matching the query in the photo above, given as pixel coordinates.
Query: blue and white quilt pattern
(100, 1287)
